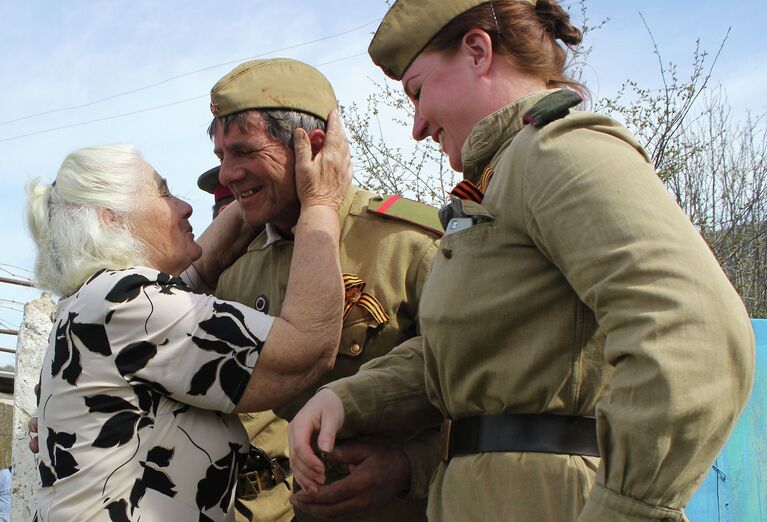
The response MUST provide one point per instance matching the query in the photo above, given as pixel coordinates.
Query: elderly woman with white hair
(142, 370)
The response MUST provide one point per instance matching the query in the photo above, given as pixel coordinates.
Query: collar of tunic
(490, 133)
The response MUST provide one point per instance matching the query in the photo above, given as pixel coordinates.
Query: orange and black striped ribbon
(468, 190)
(353, 287)
(484, 180)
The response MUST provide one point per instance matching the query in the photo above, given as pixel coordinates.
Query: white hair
(67, 218)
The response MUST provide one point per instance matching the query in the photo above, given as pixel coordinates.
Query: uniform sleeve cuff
(361, 408)
(604, 504)
(422, 452)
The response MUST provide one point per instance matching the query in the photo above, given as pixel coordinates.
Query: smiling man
(386, 247)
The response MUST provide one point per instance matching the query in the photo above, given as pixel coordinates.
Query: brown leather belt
(537, 433)
(261, 473)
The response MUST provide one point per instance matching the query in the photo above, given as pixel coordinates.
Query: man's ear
(478, 47)
(317, 139)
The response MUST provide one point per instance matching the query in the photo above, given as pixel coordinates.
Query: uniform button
(447, 252)
(262, 304)
(355, 349)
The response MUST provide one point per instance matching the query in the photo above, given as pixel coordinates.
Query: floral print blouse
(136, 393)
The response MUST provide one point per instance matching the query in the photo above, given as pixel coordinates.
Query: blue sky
(58, 55)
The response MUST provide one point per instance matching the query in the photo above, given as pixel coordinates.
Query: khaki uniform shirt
(392, 257)
(586, 274)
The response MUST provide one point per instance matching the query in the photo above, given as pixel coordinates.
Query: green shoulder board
(552, 107)
(408, 211)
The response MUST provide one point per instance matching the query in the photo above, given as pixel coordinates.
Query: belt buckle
(444, 440)
(249, 485)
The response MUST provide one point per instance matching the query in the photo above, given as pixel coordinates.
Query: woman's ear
(108, 217)
(317, 140)
(478, 48)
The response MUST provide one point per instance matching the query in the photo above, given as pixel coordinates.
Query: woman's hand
(34, 445)
(324, 415)
(325, 178)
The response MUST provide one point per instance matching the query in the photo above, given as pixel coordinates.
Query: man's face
(259, 172)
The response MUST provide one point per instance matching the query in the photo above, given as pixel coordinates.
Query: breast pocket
(467, 217)
(359, 330)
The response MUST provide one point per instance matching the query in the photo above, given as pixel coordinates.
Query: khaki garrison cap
(209, 179)
(279, 83)
(408, 28)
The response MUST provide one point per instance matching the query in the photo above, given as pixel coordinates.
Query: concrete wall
(30, 348)
(6, 429)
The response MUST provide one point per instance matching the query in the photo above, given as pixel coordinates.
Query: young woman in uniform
(584, 351)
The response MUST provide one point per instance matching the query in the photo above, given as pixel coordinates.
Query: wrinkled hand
(377, 474)
(34, 445)
(324, 415)
(324, 179)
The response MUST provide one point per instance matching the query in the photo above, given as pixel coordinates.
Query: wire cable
(183, 75)
(139, 111)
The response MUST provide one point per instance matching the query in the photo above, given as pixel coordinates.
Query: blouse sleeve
(188, 346)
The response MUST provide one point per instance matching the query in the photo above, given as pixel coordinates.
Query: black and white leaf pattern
(64, 464)
(121, 427)
(107, 404)
(72, 372)
(225, 343)
(118, 511)
(220, 478)
(127, 289)
(232, 377)
(135, 357)
(91, 336)
(168, 283)
(227, 329)
(212, 345)
(61, 347)
(47, 477)
(204, 378)
(152, 477)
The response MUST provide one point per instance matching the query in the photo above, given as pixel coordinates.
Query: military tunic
(583, 271)
(392, 258)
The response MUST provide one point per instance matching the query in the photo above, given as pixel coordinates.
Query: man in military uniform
(387, 244)
(208, 181)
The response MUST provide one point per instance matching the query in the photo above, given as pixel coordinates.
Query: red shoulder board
(408, 211)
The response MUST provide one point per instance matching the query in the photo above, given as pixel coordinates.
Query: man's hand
(324, 415)
(377, 474)
(324, 179)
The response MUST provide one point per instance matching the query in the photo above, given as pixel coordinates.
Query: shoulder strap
(552, 107)
(407, 211)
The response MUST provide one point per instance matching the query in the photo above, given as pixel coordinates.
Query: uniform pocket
(356, 333)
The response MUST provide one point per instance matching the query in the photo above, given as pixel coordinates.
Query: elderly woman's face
(160, 221)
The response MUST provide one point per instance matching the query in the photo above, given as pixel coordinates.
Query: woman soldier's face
(440, 86)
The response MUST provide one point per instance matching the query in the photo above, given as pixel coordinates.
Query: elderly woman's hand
(325, 178)
(34, 445)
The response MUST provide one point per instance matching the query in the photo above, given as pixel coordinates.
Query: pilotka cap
(209, 179)
(279, 83)
(409, 26)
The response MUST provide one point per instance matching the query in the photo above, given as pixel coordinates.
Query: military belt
(536, 433)
(261, 473)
